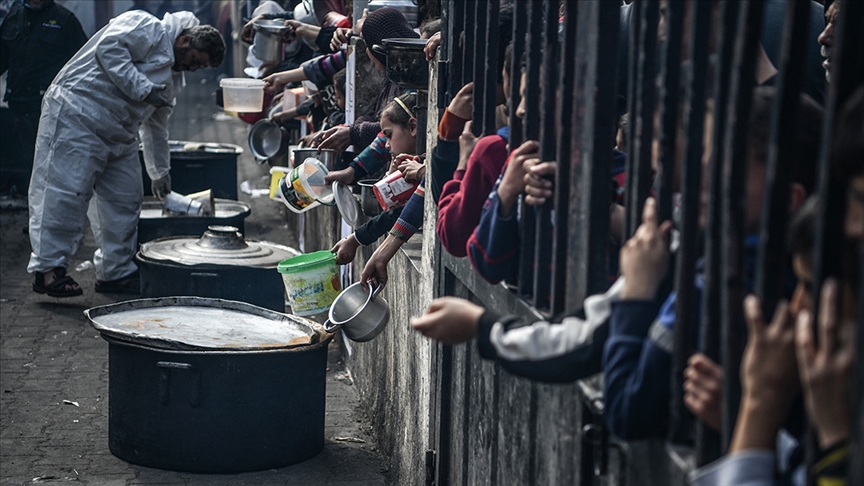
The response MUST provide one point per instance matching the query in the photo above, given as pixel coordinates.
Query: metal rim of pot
(328, 157)
(406, 62)
(348, 325)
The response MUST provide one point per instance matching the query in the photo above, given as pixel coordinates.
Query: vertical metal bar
(856, 447)
(548, 126)
(847, 73)
(445, 56)
(564, 213)
(479, 68)
(492, 67)
(693, 119)
(531, 125)
(643, 92)
(520, 29)
(591, 159)
(733, 332)
(469, 42)
(711, 302)
(669, 95)
(772, 261)
(455, 64)
(707, 443)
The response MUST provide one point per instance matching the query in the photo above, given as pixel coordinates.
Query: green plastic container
(312, 282)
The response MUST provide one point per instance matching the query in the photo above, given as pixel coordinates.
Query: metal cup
(179, 205)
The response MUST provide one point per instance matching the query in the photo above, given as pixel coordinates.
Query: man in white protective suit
(121, 83)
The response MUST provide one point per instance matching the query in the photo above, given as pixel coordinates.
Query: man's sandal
(62, 286)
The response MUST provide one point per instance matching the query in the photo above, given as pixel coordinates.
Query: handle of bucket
(330, 327)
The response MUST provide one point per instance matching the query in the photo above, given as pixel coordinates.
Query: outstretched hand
(645, 257)
(450, 320)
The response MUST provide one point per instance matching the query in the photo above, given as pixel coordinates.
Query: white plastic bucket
(304, 188)
(242, 95)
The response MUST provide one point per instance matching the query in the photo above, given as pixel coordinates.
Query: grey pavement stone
(49, 353)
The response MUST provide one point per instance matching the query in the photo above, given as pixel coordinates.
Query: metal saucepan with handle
(360, 312)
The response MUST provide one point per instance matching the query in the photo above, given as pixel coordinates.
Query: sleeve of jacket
(751, 467)
(493, 247)
(372, 158)
(411, 218)
(124, 43)
(552, 352)
(637, 373)
(322, 40)
(444, 160)
(321, 69)
(459, 215)
(154, 139)
(377, 227)
(364, 130)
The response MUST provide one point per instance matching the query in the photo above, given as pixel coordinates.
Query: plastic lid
(348, 205)
(241, 83)
(307, 261)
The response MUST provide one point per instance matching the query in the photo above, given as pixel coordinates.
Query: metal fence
(496, 429)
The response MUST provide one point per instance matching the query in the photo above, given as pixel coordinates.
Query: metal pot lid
(407, 42)
(219, 245)
(348, 205)
(198, 324)
(151, 208)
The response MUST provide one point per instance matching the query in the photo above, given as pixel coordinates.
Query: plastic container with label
(304, 188)
(394, 191)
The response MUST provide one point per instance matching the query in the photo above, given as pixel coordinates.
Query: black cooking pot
(179, 402)
(198, 166)
(220, 264)
(406, 62)
(153, 224)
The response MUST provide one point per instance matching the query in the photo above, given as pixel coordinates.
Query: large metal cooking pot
(406, 62)
(153, 224)
(198, 166)
(212, 386)
(360, 312)
(268, 141)
(220, 264)
(328, 157)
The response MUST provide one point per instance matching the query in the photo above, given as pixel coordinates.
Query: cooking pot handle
(377, 290)
(330, 327)
(380, 49)
(195, 392)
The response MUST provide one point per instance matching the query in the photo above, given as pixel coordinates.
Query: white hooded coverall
(86, 146)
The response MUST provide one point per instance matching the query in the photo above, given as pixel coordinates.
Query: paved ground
(49, 355)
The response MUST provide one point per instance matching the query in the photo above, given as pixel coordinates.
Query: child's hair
(430, 28)
(398, 114)
(339, 81)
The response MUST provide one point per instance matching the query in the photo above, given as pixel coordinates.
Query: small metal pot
(406, 62)
(328, 157)
(360, 312)
(368, 202)
(267, 45)
(268, 141)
